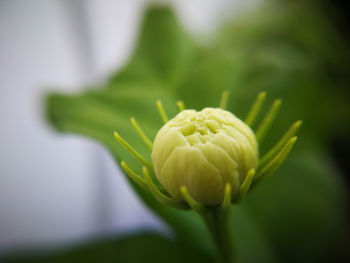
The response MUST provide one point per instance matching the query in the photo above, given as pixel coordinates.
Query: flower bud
(204, 151)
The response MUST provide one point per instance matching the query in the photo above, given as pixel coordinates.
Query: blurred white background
(58, 188)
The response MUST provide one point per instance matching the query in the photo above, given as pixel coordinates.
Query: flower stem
(217, 221)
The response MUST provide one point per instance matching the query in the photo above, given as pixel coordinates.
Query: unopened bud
(204, 151)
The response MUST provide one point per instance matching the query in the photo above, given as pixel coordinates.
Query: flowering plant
(207, 160)
(292, 216)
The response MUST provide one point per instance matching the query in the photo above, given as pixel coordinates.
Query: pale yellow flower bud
(204, 151)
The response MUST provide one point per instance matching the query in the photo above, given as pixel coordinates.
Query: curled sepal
(141, 133)
(196, 206)
(181, 105)
(255, 109)
(161, 197)
(162, 112)
(280, 144)
(224, 99)
(134, 153)
(133, 176)
(226, 203)
(271, 166)
(245, 186)
(268, 120)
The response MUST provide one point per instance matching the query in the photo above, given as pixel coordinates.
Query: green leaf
(98, 113)
(163, 53)
(300, 208)
(250, 239)
(143, 247)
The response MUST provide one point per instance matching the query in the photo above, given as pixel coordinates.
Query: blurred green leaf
(163, 53)
(133, 92)
(143, 247)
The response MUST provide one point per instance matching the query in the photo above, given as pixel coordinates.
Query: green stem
(217, 221)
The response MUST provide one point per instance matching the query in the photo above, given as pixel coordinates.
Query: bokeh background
(57, 191)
